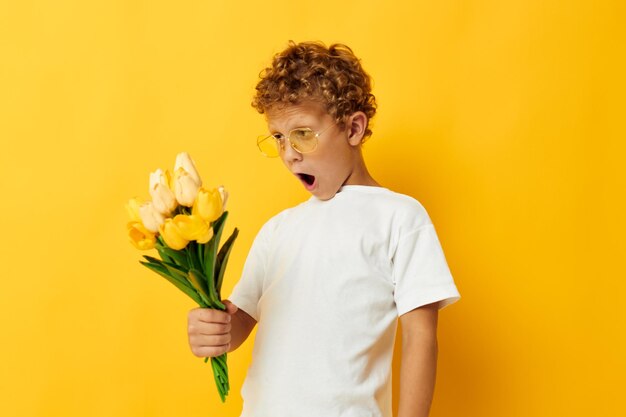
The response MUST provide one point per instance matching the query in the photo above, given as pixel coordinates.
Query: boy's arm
(419, 361)
(242, 324)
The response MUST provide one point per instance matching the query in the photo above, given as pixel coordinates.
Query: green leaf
(222, 259)
(218, 364)
(199, 283)
(153, 260)
(172, 270)
(221, 360)
(163, 254)
(200, 255)
(176, 271)
(183, 286)
(215, 296)
(154, 264)
(179, 256)
(210, 254)
(192, 254)
(184, 276)
(210, 291)
(218, 226)
(221, 389)
(209, 262)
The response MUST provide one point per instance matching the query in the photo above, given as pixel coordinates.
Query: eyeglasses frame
(281, 144)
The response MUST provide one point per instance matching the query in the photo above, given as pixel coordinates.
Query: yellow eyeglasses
(301, 139)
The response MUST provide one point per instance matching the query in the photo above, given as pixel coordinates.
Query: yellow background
(504, 118)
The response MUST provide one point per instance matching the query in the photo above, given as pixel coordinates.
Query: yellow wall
(501, 117)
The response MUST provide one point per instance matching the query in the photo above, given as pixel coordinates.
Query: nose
(289, 154)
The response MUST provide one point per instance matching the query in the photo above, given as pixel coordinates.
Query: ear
(357, 123)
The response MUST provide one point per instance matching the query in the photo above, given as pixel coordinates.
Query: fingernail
(228, 318)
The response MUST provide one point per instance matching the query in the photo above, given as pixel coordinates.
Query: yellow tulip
(172, 235)
(140, 237)
(133, 209)
(150, 217)
(162, 195)
(185, 187)
(183, 160)
(208, 204)
(193, 227)
(224, 195)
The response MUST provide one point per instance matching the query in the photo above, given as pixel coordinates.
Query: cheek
(332, 166)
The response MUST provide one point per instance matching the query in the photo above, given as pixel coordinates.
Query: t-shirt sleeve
(420, 272)
(247, 291)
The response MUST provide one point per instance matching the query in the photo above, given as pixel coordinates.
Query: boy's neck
(360, 175)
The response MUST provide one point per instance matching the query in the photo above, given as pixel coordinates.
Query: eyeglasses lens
(269, 146)
(303, 140)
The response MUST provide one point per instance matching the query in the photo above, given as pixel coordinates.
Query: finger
(209, 340)
(209, 315)
(202, 328)
(230, 307)
(210, 351)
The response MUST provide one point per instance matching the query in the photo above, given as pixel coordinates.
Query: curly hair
(332, 76)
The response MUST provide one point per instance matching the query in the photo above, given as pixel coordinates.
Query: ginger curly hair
(310, 71)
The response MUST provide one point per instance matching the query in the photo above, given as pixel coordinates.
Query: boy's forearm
(237, 336)
(240, 330)
(417, 375)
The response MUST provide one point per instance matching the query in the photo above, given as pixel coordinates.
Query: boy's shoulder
(407, 211)
(400, 201)
(270, 224)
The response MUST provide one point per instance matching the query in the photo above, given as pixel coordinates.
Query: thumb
(230, 307)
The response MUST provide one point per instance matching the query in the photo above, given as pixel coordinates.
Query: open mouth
(307, 179)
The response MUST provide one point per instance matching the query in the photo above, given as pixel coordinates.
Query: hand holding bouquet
(184, 223)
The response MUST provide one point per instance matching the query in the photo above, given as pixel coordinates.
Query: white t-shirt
(326, 282)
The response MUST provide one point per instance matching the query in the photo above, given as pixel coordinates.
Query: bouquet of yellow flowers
(184, 222)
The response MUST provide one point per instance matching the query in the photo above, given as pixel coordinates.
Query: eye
(279, 140)
(303, 134)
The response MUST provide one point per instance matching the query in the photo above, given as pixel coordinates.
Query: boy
(326, 280)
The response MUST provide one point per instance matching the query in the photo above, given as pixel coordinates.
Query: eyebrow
(274, 130)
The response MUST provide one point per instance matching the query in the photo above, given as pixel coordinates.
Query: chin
(325, 196)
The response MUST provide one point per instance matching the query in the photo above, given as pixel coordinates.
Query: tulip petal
(192, 227)
(132, 207)
(184, 161)
(161, 191)
(151, 217)
(208, 236)
(224, 195)
(185, 188)
(171, 235)
(141, 237)
(208, 204)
